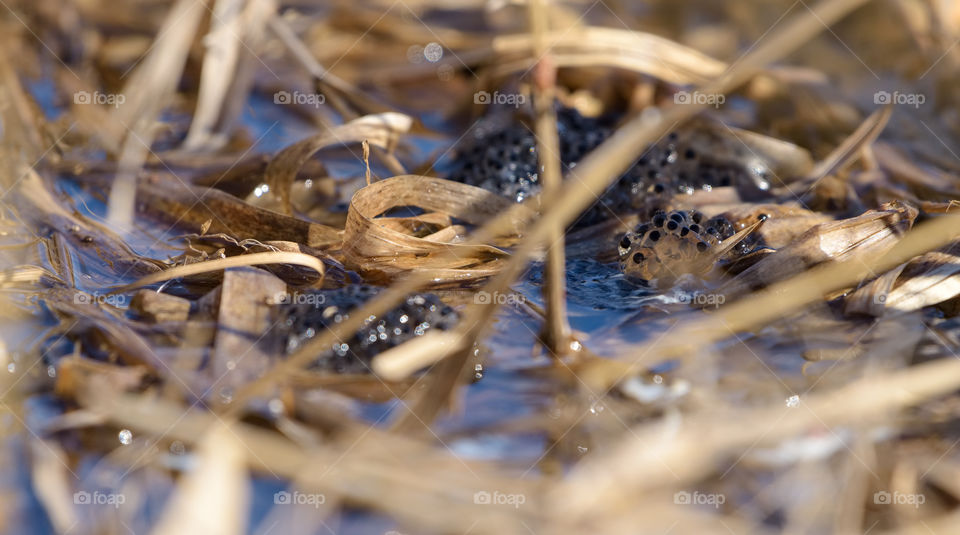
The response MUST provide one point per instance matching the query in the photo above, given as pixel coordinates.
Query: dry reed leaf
(254, 259)
(169, 199)
(928, 184)
(849, 150)
(237, 32)
(872, 232)
(597, 46)
(398, 363)
(381, 251)
(927, 280)
(381, 130)
(150, 87)
(50, 478)
(784, 224)
(785, 160)
(95, 242)
(213, 498)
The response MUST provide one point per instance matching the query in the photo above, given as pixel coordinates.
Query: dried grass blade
(848, 151)
(237, 26)
(145, 94)
(255, 259)
(595, 46)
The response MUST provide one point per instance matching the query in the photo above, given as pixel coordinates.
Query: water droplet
(582, 449)
(658, 379)
(11, 367)
(433, 52)
(793, 401)
(231, 365)
(51, 372)
(125, 436)
(575, 346)
(275, 406)
(177, 448)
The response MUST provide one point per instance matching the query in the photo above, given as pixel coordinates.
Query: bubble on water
(793, 401)
(231, 365)
(177, 448)
(596, 408)
(51, 372)
(658, 379)
(12, 368)
(433, 52)
(125, 436)
(575, 346)
(582, 449)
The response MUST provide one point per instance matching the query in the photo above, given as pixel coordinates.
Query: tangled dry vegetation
(174, 172)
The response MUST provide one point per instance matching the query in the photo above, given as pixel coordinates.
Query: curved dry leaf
(278, 257)
(596, 46)
(927, 280)
(381, 130)
(379, 248)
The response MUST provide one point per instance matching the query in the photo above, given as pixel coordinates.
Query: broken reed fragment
(873, 232)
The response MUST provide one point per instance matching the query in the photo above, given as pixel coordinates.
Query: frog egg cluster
(301, 321)
(672, 244)
(505, 161)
